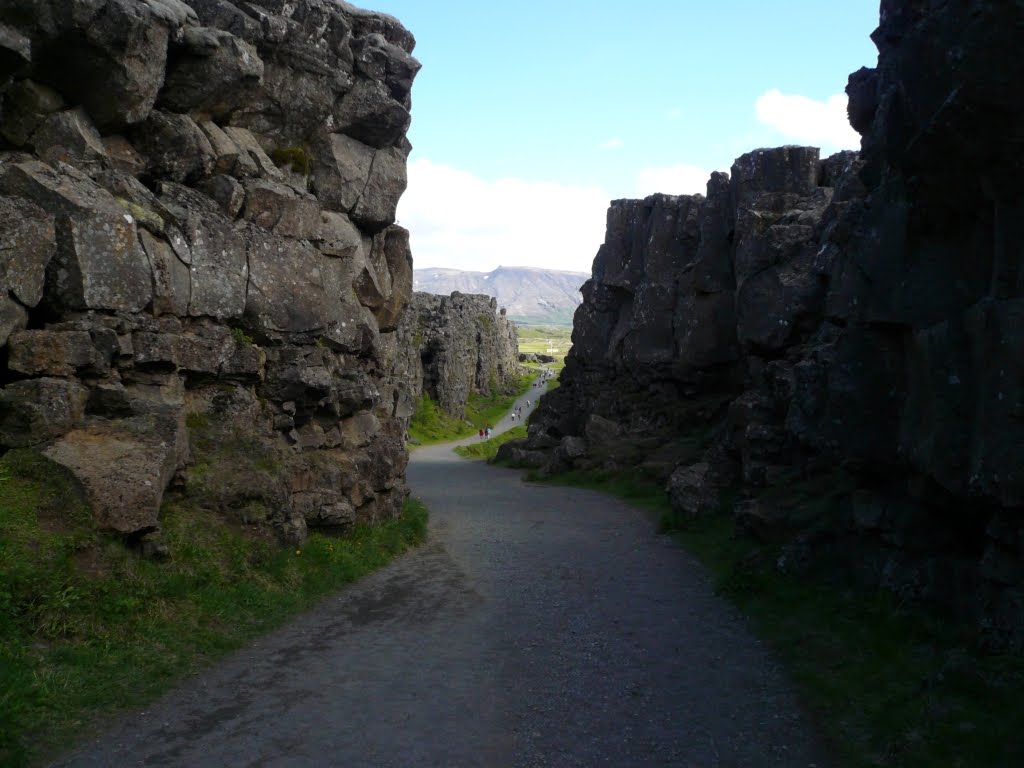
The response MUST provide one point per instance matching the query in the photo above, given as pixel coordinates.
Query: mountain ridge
(530, 295)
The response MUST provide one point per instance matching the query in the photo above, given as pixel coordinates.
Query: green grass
(488, 449)
(536, 338)
(430, 424)
(88, 628)
(891, 687)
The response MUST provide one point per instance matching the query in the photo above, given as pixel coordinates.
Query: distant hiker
(481, 434)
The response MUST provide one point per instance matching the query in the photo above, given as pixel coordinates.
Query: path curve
(539, 626)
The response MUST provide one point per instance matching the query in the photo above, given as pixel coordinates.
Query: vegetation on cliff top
(88, 627)
(890, 686)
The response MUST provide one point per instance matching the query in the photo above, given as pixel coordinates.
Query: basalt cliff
(832, 351)
(201, 280)
(458, 345)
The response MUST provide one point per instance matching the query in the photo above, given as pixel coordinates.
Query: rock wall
(835, 349)
(200, 277)
(457, 345)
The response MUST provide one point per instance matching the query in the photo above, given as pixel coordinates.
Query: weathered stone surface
(228, 193)
(365, 183)
(369, 114)
(384, 284)
(99, 264)
(116, 50)
(154, 260)
(26, 104)
(51, 353)
(251, 154)
(28, 241)
(214, 72)
(456, 345)
(124, 467)
(338, 236)
(214, 250)
(34, 411)
(174, 147)
(286, 289)
(15, 51)
(13, 317)
(228, 158)
(122, 155)
(69, 137)
(279, 208)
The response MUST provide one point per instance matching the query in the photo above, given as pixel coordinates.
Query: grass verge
(430, 424)
(891, 686)
(488, 449)
(88, 628)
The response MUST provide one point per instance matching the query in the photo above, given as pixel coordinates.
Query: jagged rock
(215, 72)
(51, 353)
(174, 147)
(279, 208)
(458, 344)
(859, 312)
(251, 155)
(365, 183)
(228, 193)
(15, 51)
(117, 51)
(30, 241)
(124, 466)
(156, 260)
(34, 411)
(214, 251)
(13, 317)
(516, 453)
(338, 236)
(69, 137)
(368, 114)
(99, 264)
(26, 104)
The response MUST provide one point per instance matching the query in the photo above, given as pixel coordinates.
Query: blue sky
(529, 117)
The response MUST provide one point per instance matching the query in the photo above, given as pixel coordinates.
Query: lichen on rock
(186, 202)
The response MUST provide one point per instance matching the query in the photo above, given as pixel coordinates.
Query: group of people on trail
(485, 433)
(543, 379)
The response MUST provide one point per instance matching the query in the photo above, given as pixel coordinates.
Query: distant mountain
(531, 295)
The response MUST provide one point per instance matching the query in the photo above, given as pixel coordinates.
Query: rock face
(838, 344)
(200, 275)
(457, 345)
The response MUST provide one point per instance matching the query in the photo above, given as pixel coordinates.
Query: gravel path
(539, 626)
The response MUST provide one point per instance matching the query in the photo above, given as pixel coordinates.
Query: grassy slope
(432, 425)
(891, 686)
(487, 449)
(88, 628)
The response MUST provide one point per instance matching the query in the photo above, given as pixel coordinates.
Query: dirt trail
(539, 626)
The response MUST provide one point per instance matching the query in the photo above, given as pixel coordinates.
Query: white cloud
(611, 144)
(458, 220)
(672, 180)
(818, 123)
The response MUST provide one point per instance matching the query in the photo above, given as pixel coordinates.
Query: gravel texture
(539, 626)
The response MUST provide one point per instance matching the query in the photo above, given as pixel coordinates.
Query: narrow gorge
(831, 350)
